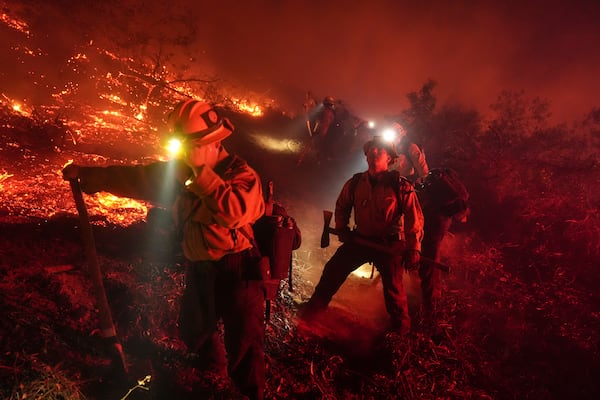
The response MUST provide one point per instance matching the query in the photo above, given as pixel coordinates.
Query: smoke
(370, 54)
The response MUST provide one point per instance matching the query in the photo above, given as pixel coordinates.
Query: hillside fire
(517, 315)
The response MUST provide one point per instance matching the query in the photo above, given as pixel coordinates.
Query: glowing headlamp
(174, 146)
(389, 135)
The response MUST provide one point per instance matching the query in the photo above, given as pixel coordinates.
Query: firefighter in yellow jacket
(386, 210)
(215, 197)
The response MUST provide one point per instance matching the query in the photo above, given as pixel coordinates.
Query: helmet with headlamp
(194, 120)
(328, 101)
(381, 143)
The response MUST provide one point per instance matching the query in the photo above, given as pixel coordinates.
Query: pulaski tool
(107, 327)
(396, 248)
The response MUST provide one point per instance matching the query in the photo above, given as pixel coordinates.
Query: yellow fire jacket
(382, 208)
(211, 211)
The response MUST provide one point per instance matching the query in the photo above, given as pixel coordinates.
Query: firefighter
(386, 210)
(411, 162)
(444, 199)
(436, 226)
(324, 124)
(215, 197)
(309, 104)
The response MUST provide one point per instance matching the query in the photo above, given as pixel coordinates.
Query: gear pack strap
(395, 180)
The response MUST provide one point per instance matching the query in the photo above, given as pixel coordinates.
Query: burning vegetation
(520, 311)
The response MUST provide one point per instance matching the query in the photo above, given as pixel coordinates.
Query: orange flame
(121, 210)
(248, 107)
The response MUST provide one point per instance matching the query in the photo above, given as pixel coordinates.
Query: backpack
(445, 193)
(277, 235)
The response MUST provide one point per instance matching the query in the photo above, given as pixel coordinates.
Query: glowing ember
(4, 176)
(113, 113)
(20, 109)
(111, 201)
(14, 23)
(114, 98)
(140, 114)
(120, 210)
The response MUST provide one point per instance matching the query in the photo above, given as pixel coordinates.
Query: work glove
(90, 179)
(345, 235)
(70, 172)
(411, 259)
(289, 222)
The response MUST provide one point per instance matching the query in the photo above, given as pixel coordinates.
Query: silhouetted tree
(422, 103)
(418, 116)
(517, 117)
(452, 136)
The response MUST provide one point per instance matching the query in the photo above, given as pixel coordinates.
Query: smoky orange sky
(372, 53)
(368, 53)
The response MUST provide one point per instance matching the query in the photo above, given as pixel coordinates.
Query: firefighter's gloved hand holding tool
(394, 249)
(411, 260)
(107, 327)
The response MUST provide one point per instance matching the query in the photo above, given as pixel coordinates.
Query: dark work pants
(318, 144)
(436, 226)
(349, 257)
(229, 290)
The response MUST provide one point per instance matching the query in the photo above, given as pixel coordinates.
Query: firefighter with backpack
(215, 197)
(444, 199)
(386, 212)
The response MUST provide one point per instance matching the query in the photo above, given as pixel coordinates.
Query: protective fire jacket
(383, 209)
(411, 161)
(211, 211)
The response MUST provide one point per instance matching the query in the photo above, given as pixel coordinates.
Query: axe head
(327, 215)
